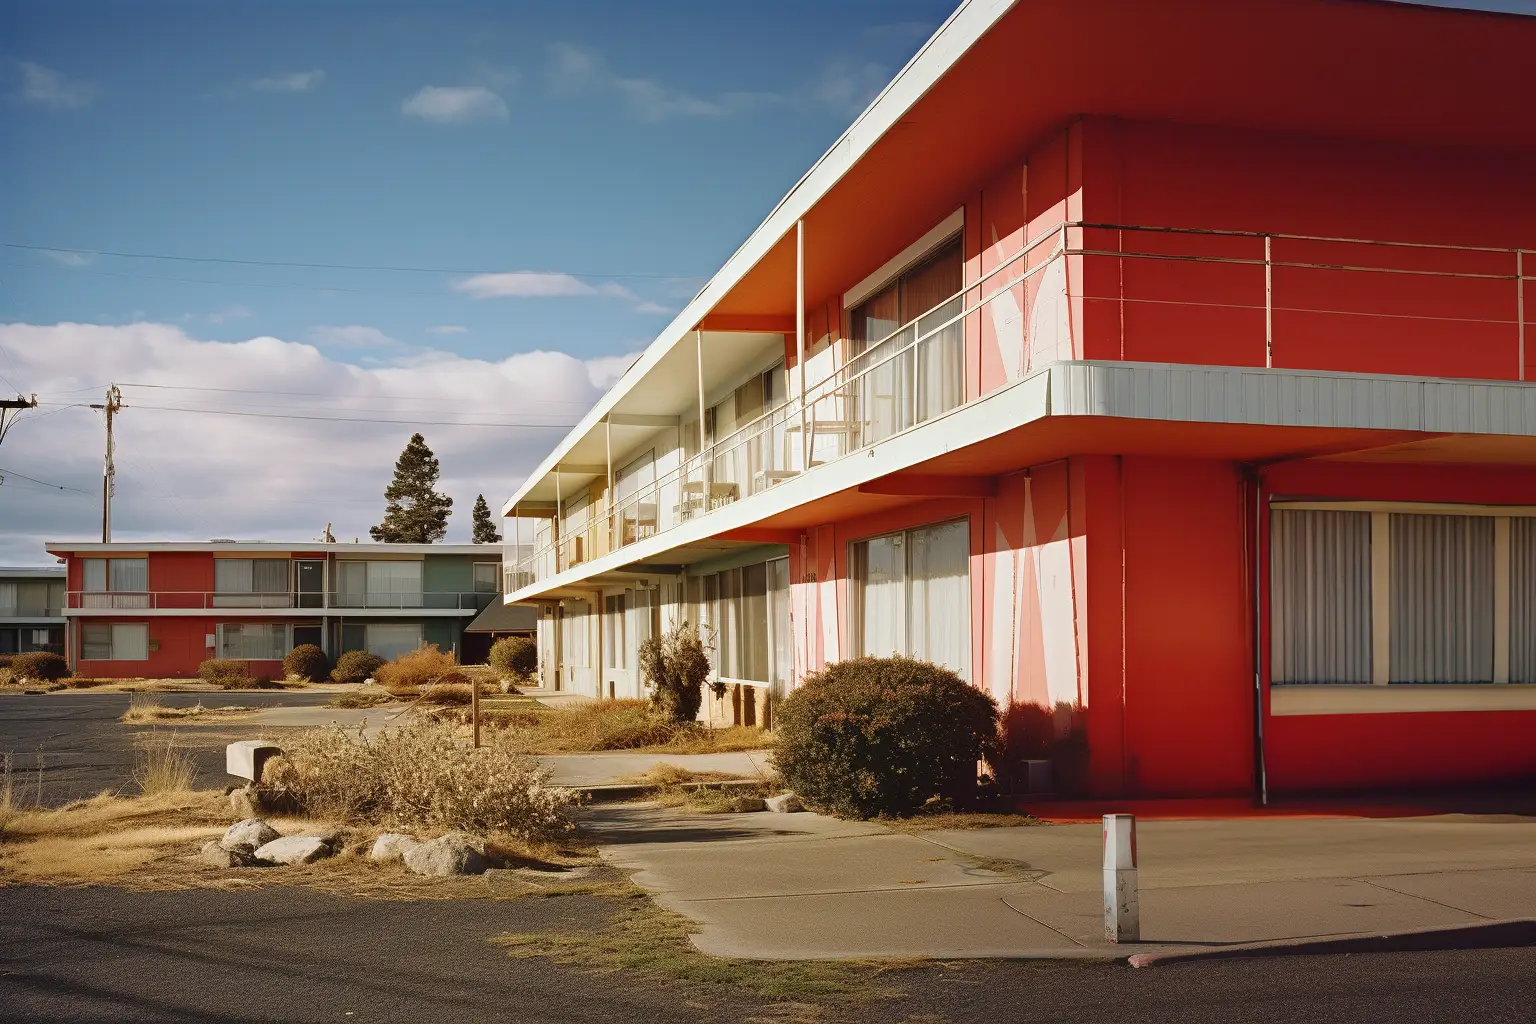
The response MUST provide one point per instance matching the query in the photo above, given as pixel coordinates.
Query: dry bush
(615, 725)
(413, 670)
(448, 694)
(147, 709)
(367, 697)
(418, 775)
(163, 767)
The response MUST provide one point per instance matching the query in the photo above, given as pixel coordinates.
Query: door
(309, 582)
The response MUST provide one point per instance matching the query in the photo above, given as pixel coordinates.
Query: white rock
(252, 832)
(391, 847)
(451, 854)
(216, 856)
(294, 850)
(784, 803)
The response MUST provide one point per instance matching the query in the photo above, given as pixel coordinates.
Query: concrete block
(245, 758)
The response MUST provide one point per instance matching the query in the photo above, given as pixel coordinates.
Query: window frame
(1381, 694)
(856, 590)
(112, 642)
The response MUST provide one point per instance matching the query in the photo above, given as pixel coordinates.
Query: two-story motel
(1163, 369)
(159, 609)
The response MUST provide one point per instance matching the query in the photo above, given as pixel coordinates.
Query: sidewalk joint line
(1426, 899)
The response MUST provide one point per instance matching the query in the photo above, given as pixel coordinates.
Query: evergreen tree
(485, 529)
(415, 513)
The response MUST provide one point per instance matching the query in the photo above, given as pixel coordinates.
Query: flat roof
(32, 570)
(492, 552)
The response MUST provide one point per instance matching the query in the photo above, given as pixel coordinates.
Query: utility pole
(11, 408)
(109, 471)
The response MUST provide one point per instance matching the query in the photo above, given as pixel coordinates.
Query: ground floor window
(25, 639)
(574, 634)
(114, 641)
(389, 640)
(1365, 593)
(746, 610)
(911, 594)
(253, 641)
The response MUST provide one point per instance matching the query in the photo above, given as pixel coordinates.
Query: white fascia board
(492, 551)
(969, 23)
(409, 614)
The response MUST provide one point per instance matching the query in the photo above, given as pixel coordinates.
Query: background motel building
(1164, 369)
(31, 609)
(159, 609)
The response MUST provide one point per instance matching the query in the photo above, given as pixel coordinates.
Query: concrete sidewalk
(804, 886)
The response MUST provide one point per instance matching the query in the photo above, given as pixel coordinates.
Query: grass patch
(642, 939)
(697, 792)
(162, 767)
(148, 709)
(363, 697)
(597, 725)
(935, 821)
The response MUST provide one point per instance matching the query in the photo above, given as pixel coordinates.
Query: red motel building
(1164, 369)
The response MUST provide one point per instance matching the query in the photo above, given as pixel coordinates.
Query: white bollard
(1122, 910)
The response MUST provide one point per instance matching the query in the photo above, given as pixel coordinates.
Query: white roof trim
(969, 22)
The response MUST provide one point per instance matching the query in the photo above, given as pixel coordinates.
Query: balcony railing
(30, 610)
(1173, 294)
(299, 602)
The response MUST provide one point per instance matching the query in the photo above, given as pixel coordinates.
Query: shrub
(226, 672)
(355, 667)
(413, 670)
(308, 662)
(44, 666)
(676, 666)
(448, 694)
(515, 656)
(418, 775)
(882, 736)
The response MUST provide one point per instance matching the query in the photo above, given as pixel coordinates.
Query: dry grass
(698, 792)
(163, 767)
(613, 725)
(958, 820)
(148, 709)
(645, 940)
(363, 697)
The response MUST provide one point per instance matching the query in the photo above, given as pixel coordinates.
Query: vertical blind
(1442, 599)
(1320, 596)
(1522, 600)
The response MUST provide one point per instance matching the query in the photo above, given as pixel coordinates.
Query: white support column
(1122, 904)
(805, 437)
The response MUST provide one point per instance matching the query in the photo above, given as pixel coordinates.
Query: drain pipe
(1260, 769)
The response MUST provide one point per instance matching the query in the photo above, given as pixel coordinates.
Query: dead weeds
(943, 820)
(599, 725)
(149, 709)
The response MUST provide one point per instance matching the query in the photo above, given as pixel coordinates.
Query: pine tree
(485, 529)
(415, 513)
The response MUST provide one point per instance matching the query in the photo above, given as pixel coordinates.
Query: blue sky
(571, 172)
(594, 138)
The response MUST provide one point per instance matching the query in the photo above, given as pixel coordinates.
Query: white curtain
(389, 640)
(781, 636)
(232, 575)
(253, 641)
(1442, 599)
(1522, 600)
(394, 584)
(939, 604)
(351, 584)
(880, 572)
(940, 363)
(95, 570)
(1320, 596)
(130, 575)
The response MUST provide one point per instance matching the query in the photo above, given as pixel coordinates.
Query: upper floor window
(485, 577)
(115, 582)
(251, 583)
(41, 598)
(379, 584)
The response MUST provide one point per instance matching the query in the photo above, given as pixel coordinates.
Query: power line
(316, 394)
(41, 483)
(359, 419)
(335, 266)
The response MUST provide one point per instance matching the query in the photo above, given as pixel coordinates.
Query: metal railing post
(1269, 303)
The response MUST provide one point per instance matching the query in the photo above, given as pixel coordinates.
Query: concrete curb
(1483, 935)
(615, 791)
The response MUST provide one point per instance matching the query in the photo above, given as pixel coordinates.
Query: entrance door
(309, 582)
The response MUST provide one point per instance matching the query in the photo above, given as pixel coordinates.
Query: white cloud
(49, 88)
(354, 336)
(203, 475)
(575, 70)
(290, 81)
(69, 258)
(533, 284)
(455, 104)
(848, 86)
(447, 329)
(235, 312)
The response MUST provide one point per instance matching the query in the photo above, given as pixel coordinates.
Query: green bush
(676, 667)
(226, 672)
(515, 656)
(44, 666)
(355, 667)
(309, 662)
(883, 736)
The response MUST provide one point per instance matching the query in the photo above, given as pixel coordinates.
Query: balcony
(300, 603)
(1109, 292)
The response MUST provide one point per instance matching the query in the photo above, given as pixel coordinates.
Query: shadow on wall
(1035, 732)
